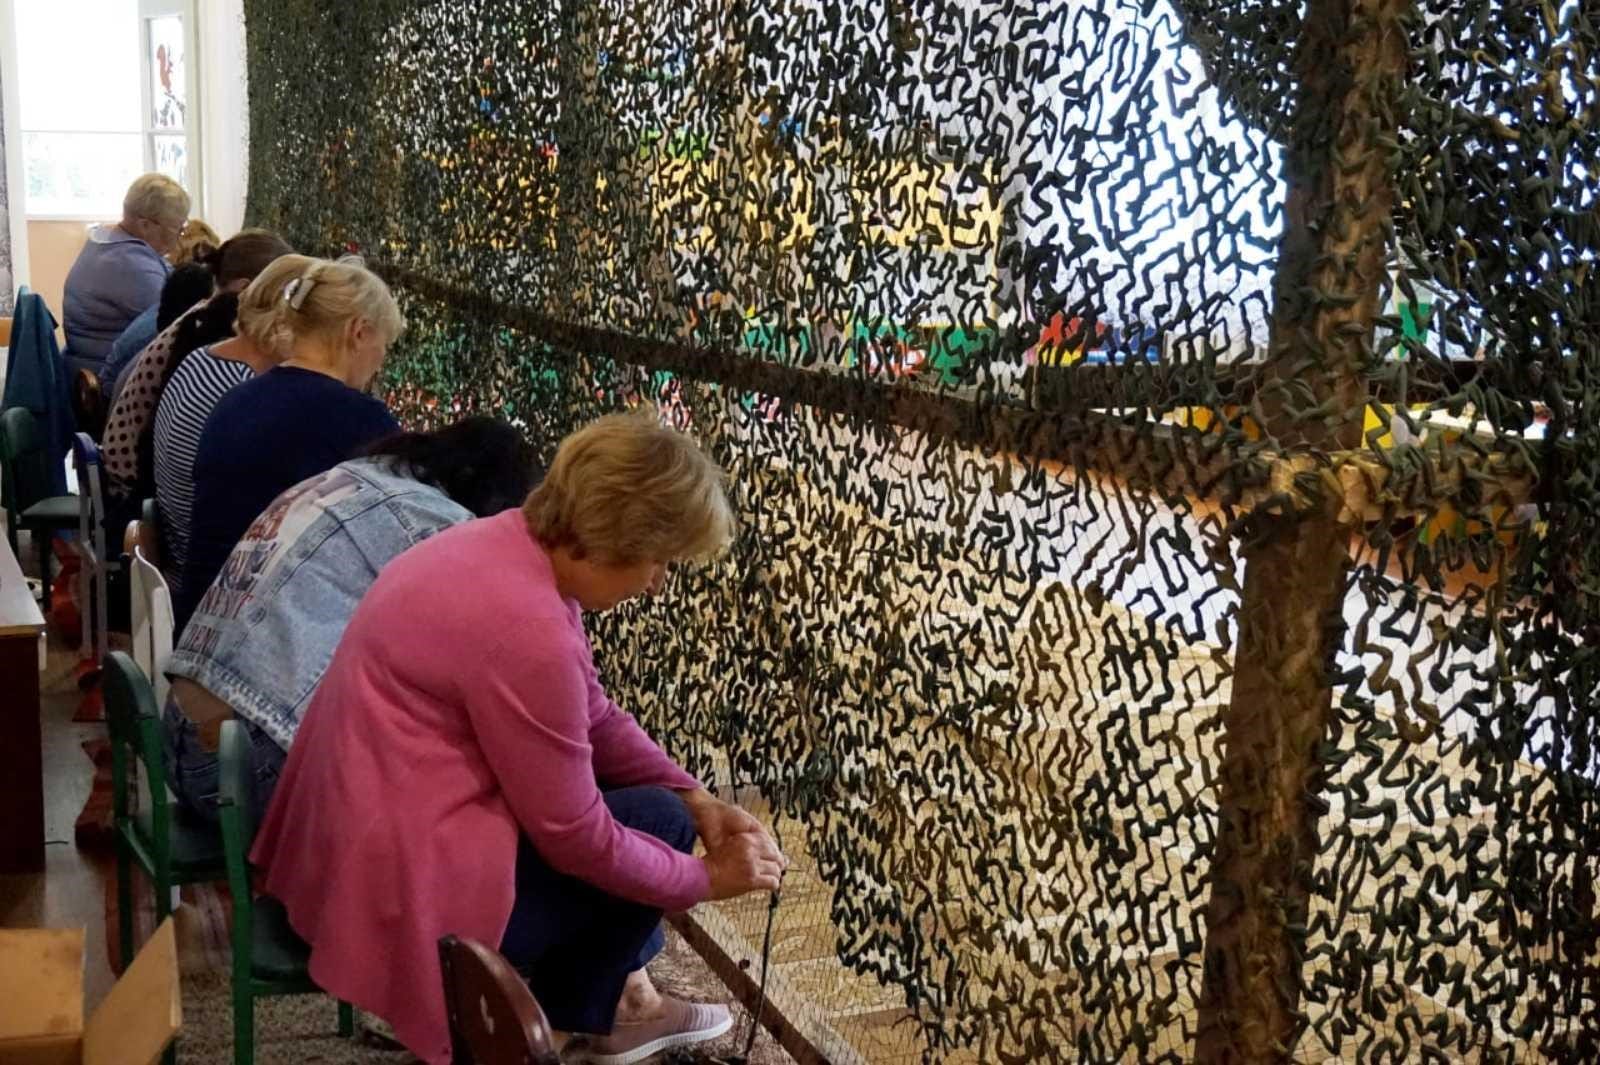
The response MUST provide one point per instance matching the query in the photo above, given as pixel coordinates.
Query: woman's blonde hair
(297, 296)
(254, 320)
(158, 198)
(198, 243)
(627, 489)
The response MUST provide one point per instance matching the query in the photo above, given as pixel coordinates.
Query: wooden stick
(747, 989)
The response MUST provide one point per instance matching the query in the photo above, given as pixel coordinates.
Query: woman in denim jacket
(267, 628)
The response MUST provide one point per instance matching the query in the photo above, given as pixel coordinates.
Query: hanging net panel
(1163, 621)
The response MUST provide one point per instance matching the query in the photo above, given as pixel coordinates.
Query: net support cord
(1351, 59)
(1352, 484)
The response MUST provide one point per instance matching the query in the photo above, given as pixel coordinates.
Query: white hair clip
(296, 291)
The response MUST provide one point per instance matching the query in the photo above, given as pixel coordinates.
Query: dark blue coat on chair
(36, 378)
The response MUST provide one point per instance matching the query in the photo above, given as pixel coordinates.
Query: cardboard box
(41, 1001)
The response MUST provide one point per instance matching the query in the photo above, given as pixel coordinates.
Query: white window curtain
(7, 275)
(13, 227)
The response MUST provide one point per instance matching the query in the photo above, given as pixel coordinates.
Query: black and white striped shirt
(199, 381)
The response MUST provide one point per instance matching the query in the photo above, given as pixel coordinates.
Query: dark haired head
(244, 255)
(186, 286)
(210, 323)
(480, 462)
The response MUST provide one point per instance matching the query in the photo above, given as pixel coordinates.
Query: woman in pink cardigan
(460, 770)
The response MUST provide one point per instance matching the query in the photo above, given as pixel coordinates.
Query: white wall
(224, 112)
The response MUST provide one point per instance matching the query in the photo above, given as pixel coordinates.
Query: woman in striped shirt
(203, 377)
(124, 447)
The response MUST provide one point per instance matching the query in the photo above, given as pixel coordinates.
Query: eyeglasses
(176, 231)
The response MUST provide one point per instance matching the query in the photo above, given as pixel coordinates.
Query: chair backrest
(494, 1018)
(134, 725)
(235, 812)
(152, 621)
(24, 466)
(142, 533)
(155, 544)
(91, 545)
(235, 789)
(88, 403)
(86, 460)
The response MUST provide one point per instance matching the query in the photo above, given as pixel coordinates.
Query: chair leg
(102, 613)
(347, 1019)
(244, 1022)
(124, 904)
(85, 606)
(244, 993)
(164, 887)
(42, 538)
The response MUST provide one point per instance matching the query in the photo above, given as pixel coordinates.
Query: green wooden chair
(268, 958)
(25, 488)
(170, 844)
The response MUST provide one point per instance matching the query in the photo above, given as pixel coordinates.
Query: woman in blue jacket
(119, 273)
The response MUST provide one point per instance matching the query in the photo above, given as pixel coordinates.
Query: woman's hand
(741, 855)
(715, 820)
(744, 862)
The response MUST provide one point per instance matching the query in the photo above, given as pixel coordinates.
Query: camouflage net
(1163, 625)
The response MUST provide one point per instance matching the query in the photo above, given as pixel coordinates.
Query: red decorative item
(66, 623)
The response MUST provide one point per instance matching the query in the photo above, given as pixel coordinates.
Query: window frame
(149, 10)
(193, 179)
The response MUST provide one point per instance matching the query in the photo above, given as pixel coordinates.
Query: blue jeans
(194, 772)
(574, 943)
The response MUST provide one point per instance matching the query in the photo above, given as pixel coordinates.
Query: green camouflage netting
(1164, 436)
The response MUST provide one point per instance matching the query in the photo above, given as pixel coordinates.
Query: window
(167, 115)
(105, 94)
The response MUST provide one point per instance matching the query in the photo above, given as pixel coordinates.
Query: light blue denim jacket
(267, 628)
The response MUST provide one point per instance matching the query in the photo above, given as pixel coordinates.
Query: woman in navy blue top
(332, 324)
